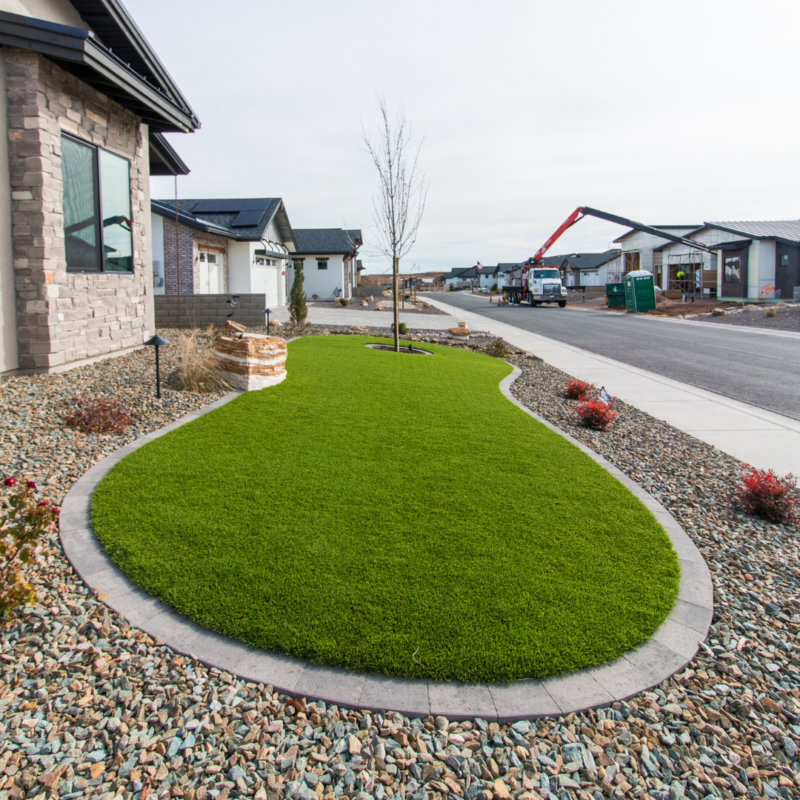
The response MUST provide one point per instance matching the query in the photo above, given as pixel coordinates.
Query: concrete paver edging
(670, 648)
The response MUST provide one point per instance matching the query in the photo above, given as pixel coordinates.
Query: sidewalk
(760, 438)
(372, 319)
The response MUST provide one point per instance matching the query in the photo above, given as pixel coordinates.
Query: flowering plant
(24, 519)
(577, 390)
(596, 414)
(765, 494)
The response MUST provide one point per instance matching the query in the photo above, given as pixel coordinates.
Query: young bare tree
(403, 192)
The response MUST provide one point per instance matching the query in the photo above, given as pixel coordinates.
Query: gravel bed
(786, 319)
(92, 707)
(386, 302)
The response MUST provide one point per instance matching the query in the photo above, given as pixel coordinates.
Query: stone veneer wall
(199, 310)
(190, 243)
(64, 317)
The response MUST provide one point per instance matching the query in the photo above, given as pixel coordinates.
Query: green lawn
(391, 514)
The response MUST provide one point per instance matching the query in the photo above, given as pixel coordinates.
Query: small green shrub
(497, 349)
(771, 312)
(495, 287)
(343, 302)
(451, 287)
(298, 310)
(403, 328)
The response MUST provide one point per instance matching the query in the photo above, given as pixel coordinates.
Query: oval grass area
(391, 514)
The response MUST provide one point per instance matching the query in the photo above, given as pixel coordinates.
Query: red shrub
(596, 414)
(577, 390)
(98, 416)
(768, 496)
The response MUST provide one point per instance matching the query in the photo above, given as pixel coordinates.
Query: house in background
(640, 250)
(87, 100)
(328, 258)
(238, 246)
(587, 269)
(454, 277)
(755, 260)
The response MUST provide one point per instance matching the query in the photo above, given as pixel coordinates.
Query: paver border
(670, 648)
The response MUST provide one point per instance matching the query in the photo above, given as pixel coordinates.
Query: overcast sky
(665, 113)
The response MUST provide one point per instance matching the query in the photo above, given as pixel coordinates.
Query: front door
(734, 272)
(787, 275)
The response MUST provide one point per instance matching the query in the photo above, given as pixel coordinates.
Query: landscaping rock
(90, 706)
(251, 361)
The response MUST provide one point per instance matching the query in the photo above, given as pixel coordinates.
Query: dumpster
(615, 294)
(640, 291)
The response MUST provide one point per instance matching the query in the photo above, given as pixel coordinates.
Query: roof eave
(164, 160)
(78, 53)
(130, 30)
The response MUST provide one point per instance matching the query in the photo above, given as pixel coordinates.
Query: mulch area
(93, 707)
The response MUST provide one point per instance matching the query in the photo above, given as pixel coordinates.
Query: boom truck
(542, 284)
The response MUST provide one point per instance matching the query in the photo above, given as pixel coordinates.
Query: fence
(200, 310)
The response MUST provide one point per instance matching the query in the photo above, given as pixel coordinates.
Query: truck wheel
(562, 303)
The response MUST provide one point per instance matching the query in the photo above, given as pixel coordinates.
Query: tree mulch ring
(403, 349)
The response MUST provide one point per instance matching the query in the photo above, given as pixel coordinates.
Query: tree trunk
(395, 304)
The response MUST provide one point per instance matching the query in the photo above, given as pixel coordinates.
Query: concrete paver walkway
(758, 437)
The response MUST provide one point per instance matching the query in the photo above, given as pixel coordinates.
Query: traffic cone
(490, 298)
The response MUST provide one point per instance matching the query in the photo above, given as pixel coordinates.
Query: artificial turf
(391, 514)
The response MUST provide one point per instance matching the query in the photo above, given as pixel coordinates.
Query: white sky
(665, 113)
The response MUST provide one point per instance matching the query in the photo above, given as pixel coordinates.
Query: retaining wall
(200, 310)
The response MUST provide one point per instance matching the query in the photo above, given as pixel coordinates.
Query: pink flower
(42, 503)
(31, 485)
(9, 482)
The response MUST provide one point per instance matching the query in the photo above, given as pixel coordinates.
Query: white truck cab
(543, 285)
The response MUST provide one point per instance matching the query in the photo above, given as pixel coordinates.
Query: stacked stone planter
(250, 361)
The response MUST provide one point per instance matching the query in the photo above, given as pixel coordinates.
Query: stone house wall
(67, 317)
(190, 243)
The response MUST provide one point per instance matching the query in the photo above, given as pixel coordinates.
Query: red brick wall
(189, 245)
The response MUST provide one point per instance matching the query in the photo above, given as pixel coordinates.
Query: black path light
(267, 311)
(156, 342)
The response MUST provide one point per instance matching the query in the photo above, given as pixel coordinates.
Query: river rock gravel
(91, 707)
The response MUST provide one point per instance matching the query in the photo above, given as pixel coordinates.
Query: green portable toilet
(640, 291)
(615, 294)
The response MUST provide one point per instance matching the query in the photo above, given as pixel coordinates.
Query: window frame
(321, 261)
(98, 211)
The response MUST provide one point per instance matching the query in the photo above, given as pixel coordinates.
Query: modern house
(639, 250)
(223, 247)
(87, 100)
(328, 258)
(755, 260)
(454, 277)
(587, 269)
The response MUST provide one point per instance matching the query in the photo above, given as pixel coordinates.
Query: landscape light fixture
(156, 342)
(267, 311)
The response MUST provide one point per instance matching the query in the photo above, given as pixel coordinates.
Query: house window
(322, 263)
(97, 208)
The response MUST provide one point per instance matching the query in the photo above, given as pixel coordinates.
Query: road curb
(670, 648)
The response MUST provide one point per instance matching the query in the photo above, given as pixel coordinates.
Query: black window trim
(99, 208)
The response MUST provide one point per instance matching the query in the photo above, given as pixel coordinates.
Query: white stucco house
(241, 246)
(328, 258)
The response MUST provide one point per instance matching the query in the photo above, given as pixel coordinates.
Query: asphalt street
(755, 368)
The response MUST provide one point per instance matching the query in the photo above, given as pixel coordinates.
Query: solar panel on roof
(220, 206)
(251, 213)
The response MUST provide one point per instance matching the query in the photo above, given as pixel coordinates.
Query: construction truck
(541, 284)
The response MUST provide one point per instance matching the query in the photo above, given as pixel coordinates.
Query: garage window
(97, 208)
